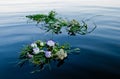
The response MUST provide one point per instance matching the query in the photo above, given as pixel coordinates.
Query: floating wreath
(41, 53)
(50, 22)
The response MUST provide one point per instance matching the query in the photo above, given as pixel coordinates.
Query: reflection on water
(100, 50)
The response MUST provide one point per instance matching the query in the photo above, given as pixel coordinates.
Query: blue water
(100, 50)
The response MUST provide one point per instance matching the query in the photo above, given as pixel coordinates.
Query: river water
(99, 57)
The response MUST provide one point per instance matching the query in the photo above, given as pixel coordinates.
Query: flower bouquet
(40, 53)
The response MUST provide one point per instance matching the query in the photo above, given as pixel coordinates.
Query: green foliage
(38, 17)
(55, 24)
(24, 52)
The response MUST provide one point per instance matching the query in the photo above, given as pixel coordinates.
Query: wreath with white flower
(40, 53)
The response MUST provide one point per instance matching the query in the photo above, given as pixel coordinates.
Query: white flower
(33, 45)
(42, 51)
(36, 50)
(50, 43)
(41, 43)
(61, 54)
(29, 55)
(48, 54)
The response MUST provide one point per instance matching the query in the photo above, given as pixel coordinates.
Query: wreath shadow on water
(41, 53)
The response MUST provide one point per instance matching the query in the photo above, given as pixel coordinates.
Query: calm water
(100, 50)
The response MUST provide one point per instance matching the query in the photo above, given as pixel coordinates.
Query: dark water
(100, 50)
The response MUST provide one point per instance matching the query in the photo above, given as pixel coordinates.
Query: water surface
(100, 50)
